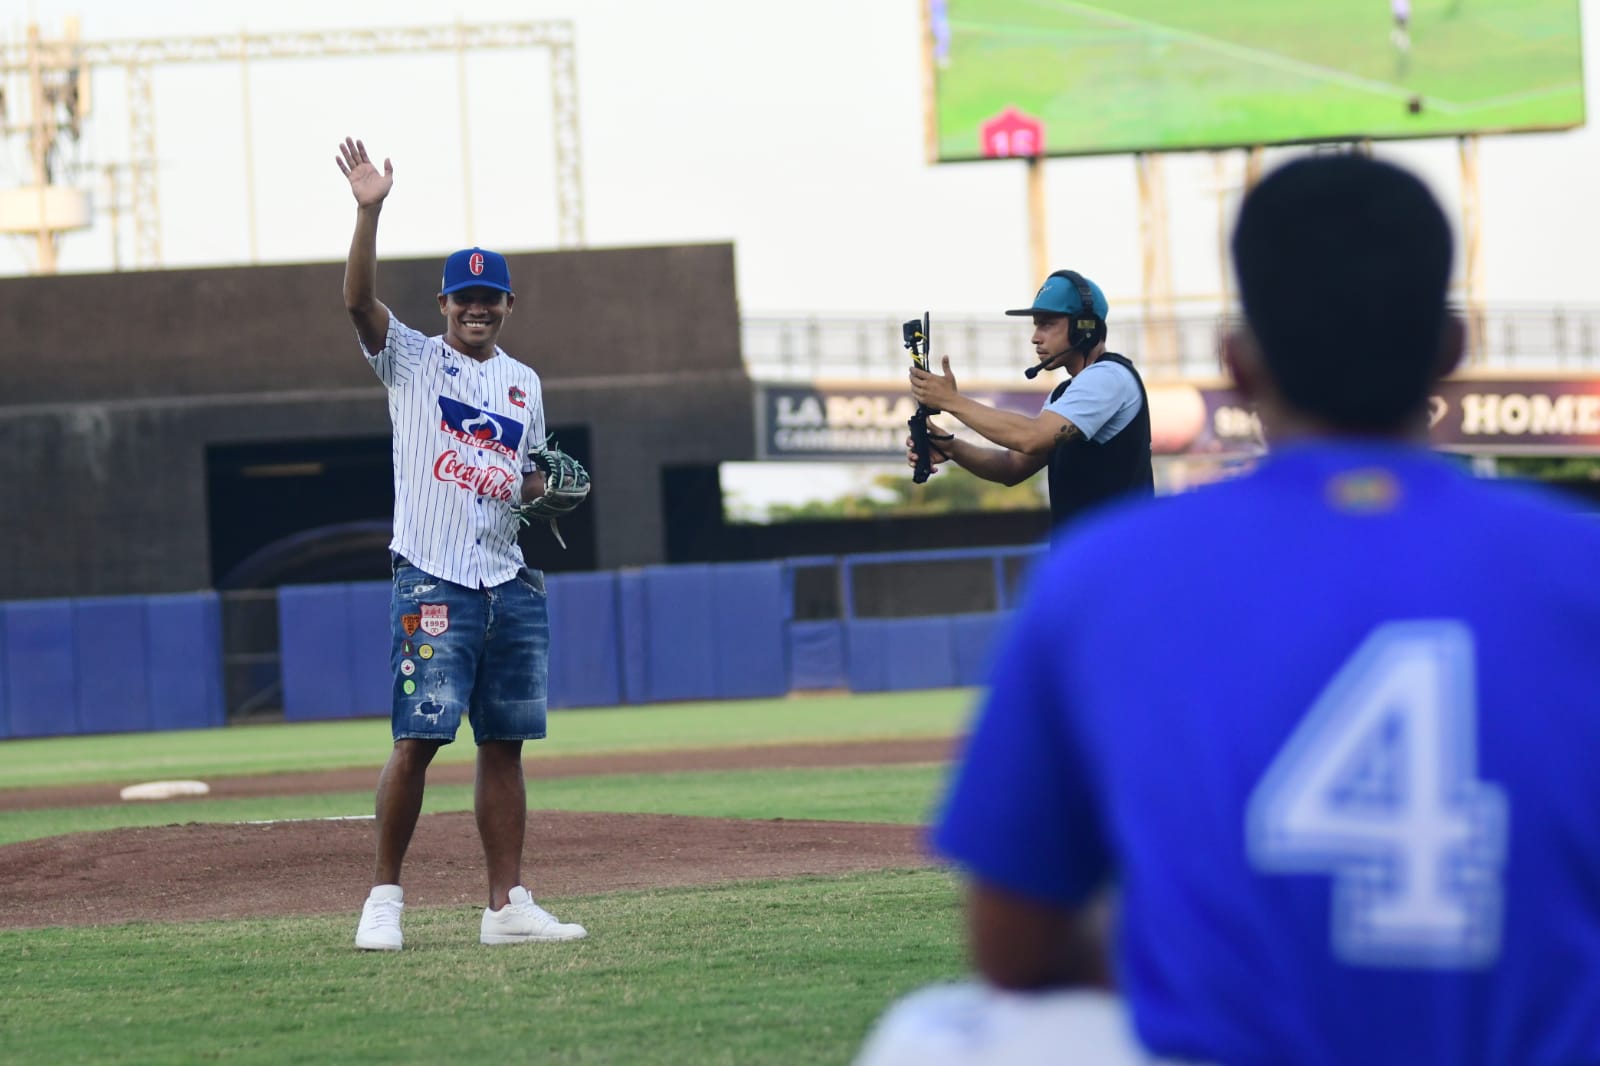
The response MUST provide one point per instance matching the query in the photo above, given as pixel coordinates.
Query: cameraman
(1093, 431)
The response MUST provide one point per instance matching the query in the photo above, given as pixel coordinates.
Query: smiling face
(473, 317)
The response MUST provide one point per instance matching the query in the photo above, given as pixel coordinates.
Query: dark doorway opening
(697, 529)
(299, 512)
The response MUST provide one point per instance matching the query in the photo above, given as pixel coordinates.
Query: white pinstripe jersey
(462, 430)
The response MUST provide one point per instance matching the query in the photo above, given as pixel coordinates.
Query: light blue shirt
(1103, 399)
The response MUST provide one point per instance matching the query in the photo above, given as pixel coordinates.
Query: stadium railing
(858, 347)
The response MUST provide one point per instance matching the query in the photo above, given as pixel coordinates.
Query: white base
(160, 790)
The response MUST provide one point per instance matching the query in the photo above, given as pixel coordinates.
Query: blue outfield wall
(691, 632)
(663, 633)
(113, 665)
(657, 634)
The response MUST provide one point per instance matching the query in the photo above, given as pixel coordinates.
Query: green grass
(1125, 75)
(900, 794)
(260, 749)
(771, 972)
(777, 972)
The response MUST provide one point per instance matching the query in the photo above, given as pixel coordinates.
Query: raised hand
(368, 186)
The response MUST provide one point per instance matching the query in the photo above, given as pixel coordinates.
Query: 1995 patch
(435, 618)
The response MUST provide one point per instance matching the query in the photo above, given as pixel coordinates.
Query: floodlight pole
(1472, 244)
(1254, 159)
(1038, 232)
(1160, 334)
(1219, 172)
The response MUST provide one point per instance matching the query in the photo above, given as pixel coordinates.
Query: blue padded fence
(816, 656)
(111, 665)
(334, 650)
(585, 652)
(664, 633)
(714, 632)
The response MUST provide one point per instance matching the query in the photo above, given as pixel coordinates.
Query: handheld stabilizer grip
(915, 335)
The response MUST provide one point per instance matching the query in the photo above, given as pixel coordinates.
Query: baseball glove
(566, 484)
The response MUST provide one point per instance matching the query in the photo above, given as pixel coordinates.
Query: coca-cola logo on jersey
(491, 481)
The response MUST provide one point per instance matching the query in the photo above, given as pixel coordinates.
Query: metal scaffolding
(57, 99)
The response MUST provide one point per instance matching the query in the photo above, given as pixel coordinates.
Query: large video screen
(1060, 77)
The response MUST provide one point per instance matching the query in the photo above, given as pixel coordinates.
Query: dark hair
(1343, 266)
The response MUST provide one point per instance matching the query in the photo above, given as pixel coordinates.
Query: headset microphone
(1089, 326)
(1083, 344)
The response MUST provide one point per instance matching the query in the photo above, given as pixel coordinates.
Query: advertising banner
(1496, 416)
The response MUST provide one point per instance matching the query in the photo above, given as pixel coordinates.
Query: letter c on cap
(475, 264)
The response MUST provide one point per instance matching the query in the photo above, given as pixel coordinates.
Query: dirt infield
(204, 871)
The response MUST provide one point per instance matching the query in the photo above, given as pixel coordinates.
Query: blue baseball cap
(1059, 296)
(475, 267)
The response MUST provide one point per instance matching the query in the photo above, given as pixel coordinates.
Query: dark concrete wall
(112, 386)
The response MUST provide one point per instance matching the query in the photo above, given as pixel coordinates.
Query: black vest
(1084, 474)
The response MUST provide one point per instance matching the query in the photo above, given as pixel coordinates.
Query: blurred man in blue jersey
(1321, 734)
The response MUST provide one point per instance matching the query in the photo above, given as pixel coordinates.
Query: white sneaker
(380, 920)
(522, 919)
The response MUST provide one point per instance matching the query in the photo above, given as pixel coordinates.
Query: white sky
(791, 129)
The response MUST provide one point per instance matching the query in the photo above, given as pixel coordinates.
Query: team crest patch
(409, 622)
(1364, 491)
(435, 618)
(517, 397)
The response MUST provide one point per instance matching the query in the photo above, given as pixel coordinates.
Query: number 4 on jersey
(1377, 787)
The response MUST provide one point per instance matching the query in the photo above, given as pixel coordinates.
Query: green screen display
(1059, 77)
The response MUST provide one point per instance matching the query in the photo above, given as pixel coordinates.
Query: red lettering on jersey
(491, 481)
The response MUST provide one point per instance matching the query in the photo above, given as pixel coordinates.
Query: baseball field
(752, 875)
(1128, 75)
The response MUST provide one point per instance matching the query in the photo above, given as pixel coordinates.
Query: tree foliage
(951, 490)
(1550, 468)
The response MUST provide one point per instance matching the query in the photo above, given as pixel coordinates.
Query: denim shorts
(484, 652)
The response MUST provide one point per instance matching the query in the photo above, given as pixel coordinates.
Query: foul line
(324, 818)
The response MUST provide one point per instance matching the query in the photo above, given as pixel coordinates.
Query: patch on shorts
(435, 618)
(409, 687)
(407, 667)
(409, 622)
(425, 651)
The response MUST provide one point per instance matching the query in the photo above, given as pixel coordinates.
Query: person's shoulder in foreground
(1315, 727)
(1356, 489)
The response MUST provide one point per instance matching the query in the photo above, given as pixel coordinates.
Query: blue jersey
(1329, 732)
